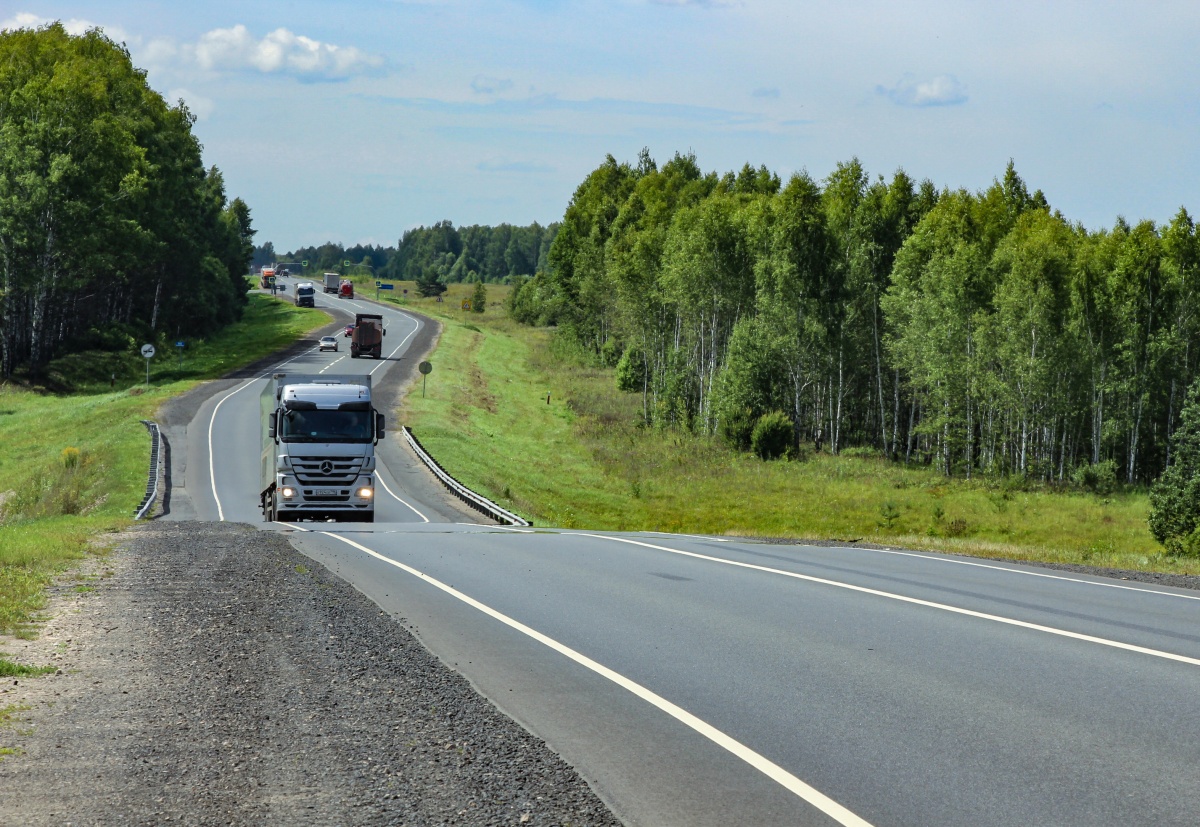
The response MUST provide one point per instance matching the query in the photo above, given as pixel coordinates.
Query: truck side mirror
(378, 425)
(271, 425)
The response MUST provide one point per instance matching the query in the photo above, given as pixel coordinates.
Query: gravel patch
(217, 676)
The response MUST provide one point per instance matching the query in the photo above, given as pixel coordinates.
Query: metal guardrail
(461, 491)
(152, 482)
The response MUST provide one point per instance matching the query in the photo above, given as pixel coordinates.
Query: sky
(353, 121)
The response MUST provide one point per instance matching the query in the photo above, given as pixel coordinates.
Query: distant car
(349, 331)
(328, 343)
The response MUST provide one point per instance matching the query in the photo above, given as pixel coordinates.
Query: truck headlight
(366, 493)
(287, 491)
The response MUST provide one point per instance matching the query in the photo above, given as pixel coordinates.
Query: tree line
(440, 253)
(112, 231)
(976, 332)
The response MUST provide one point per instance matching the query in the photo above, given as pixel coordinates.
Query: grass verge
(524, 424)
(74, 464)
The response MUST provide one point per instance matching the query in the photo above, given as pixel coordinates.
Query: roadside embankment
(215, 675)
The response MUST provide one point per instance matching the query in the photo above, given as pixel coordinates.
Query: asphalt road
(696, 681)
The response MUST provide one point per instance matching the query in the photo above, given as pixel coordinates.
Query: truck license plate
(325, 492)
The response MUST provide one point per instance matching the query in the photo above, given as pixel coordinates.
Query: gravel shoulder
(216, 676)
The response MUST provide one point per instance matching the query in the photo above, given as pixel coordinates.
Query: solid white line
(382, 482)
(1115, 644)
(776, 773)
(942, 559)
(212, 476)
(402, 341)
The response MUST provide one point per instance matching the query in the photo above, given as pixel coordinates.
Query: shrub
(737, 427)
(1100, 478)
(772, 435)
(631, 371)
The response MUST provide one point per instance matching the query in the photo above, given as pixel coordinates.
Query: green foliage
(629, 477)
(1099, 478)
(1175, 496)
(103, 192)
(430, 285)
(976, 333)
(631, 371)
(479, 298)
(772, 435)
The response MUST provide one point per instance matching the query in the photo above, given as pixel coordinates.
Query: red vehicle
(349, 331)
(346, 289)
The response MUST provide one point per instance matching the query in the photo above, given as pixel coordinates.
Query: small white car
(328, 343)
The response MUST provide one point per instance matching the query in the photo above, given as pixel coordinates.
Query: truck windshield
(326, 426)
(304, 291)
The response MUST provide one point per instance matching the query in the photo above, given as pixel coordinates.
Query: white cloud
(280, 52)
(943, 90)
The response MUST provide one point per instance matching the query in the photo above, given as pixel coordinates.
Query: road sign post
(426, 368)
(148, 353)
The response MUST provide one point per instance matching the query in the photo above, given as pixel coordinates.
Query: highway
(702, 681)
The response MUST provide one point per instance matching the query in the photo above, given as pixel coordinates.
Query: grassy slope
(56, 501)
(578, 462)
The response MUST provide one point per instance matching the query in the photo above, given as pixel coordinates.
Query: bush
(631, 371)
(772, 435)
(737, 427)
(1100, 478)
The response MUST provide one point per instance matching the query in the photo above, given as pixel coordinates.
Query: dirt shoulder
(214, 675)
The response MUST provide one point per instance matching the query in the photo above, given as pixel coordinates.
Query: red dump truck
(346, 289)
(266, 278)
(367, 338)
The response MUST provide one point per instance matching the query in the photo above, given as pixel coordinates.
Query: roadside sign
(387, 287)
(148, 352)
(426, 368)
(466, 305)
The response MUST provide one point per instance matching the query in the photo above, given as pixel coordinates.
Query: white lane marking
(402, 341)
(1115, 644)
(513, 529)
(942, 559)
(383, 482)
(212, 476)
(769, 768)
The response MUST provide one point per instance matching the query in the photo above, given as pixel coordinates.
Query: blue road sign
(387, 287)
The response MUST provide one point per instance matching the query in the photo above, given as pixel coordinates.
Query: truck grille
(326, 471)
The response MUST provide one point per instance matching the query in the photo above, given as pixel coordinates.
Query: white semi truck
(318, 448)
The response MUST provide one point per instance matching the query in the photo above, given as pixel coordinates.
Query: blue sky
(354, 121)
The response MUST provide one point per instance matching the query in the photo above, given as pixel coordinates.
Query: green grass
(581, 461)
(9, 669)
(74, 464)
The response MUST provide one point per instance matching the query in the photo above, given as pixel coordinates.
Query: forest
(449, 254)
(981, 333)
(112, 231)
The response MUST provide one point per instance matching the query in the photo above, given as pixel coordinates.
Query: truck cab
(318, 448)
